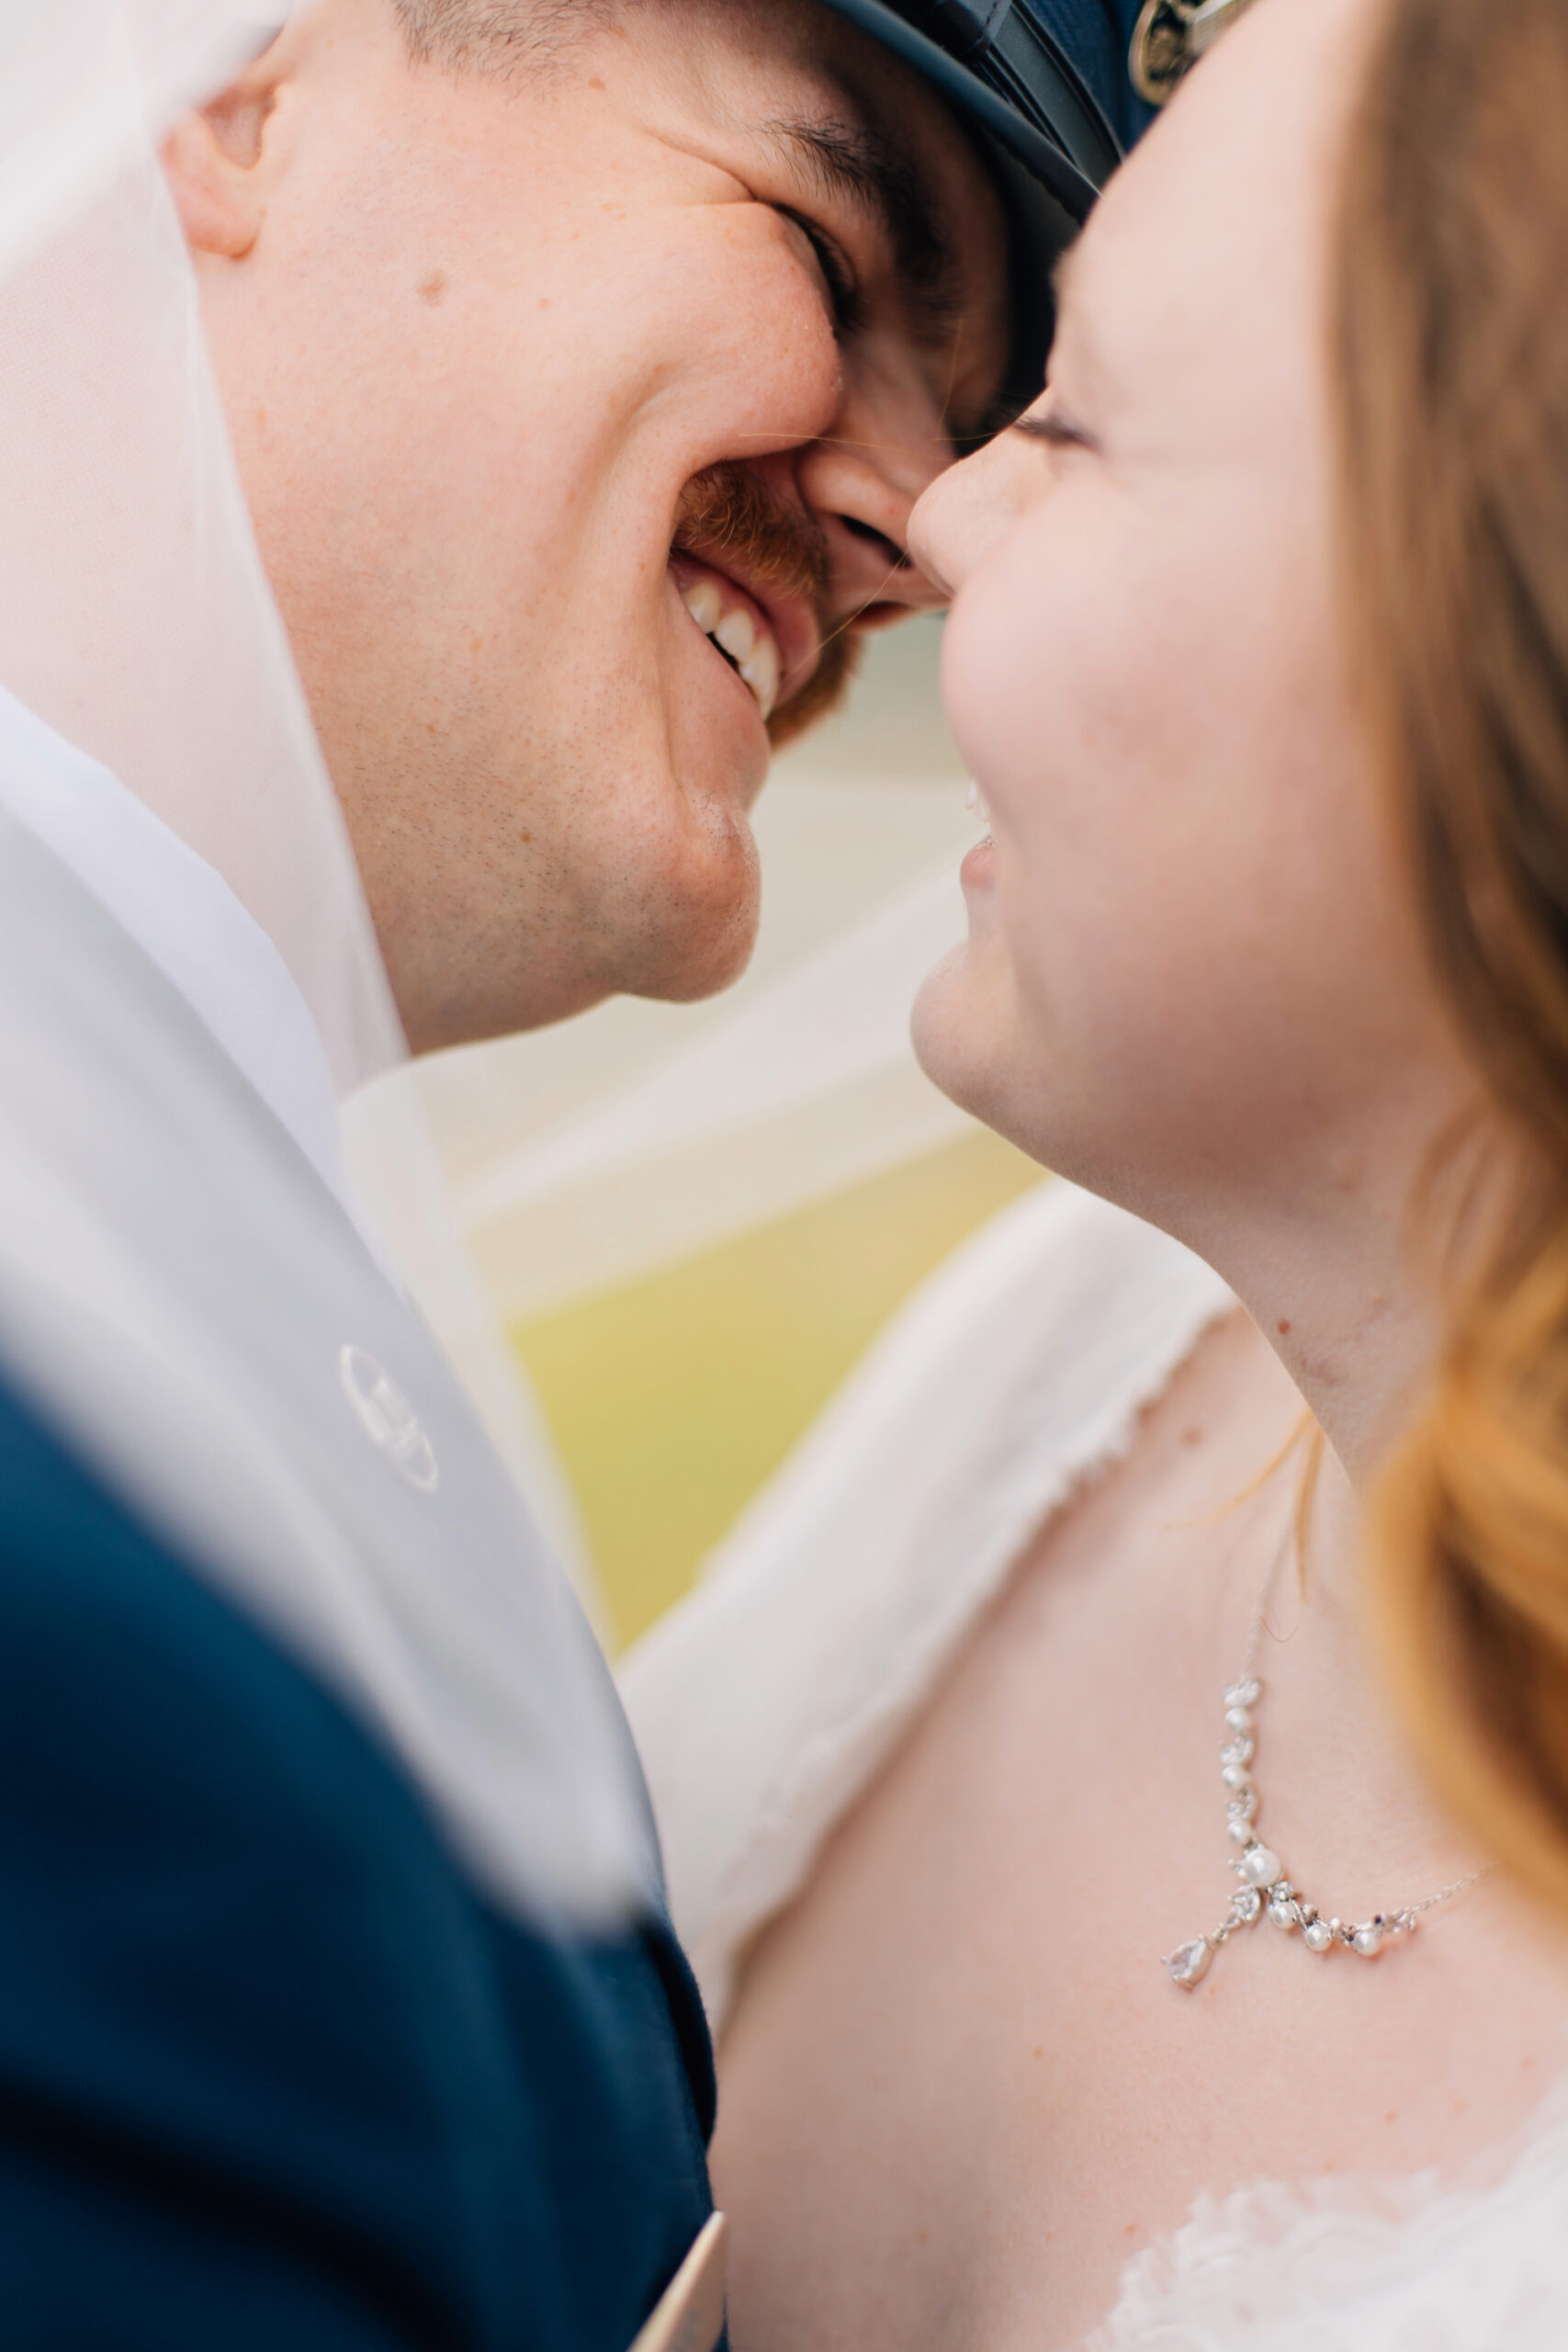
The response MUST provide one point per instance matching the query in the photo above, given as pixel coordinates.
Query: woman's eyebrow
(858, 164)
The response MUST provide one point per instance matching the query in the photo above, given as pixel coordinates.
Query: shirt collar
(185, 917)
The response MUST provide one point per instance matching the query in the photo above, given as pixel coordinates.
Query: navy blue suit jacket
(273, 2073)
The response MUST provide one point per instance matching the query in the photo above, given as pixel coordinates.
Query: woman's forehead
(1202, 263)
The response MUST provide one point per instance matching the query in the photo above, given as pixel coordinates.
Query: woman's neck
(1337, 1257)
(1348, 1317)
(1341, 1279)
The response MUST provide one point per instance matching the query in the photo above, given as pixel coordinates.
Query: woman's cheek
(1037, 641)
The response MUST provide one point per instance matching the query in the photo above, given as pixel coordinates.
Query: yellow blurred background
(671, 1401)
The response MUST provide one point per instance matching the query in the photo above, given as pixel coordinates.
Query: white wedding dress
(764, 1703)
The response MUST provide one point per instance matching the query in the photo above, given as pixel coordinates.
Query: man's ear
(215, 159)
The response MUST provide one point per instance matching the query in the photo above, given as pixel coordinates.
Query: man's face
(541, 383)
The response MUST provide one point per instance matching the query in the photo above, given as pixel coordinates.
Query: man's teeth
(735, 635)
(752, 650)
(762, 675)
(705, 606)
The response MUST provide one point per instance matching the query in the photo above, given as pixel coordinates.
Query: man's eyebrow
(857, 162)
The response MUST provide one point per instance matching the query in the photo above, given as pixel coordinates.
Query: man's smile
(744, 629)
(753, 574)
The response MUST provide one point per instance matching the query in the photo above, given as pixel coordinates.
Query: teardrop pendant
(1189, 1964)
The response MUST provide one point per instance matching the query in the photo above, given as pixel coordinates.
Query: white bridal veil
(134, 616)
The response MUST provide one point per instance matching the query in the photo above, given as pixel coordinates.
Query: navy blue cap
(1044, 85)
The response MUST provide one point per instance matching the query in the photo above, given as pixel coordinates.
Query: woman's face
(1189, 953)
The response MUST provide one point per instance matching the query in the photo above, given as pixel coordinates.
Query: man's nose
(861, 495)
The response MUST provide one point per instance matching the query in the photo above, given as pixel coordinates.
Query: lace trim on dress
(1405, 2265)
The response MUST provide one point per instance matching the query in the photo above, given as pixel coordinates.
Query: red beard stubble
(723, 511)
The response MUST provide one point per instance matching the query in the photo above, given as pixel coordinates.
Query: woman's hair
(1451, 369)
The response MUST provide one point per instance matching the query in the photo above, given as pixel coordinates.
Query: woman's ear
(214, 160)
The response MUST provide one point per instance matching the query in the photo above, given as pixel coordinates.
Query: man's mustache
(728, 511)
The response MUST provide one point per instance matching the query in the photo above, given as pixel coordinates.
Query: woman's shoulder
(764, 1703)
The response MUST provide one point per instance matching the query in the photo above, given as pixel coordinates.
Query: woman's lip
(978, 871)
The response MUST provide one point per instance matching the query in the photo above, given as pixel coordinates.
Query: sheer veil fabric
(137, 630)
(134, 614)
(584, 1158)
(178, 1287)
(136, 620)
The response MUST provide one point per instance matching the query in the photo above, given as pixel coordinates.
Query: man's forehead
(861, 123)
(818, 69)
(856, 125)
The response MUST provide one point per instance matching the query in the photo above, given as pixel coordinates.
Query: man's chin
(701, 929)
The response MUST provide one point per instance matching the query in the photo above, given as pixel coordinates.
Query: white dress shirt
(182, 914)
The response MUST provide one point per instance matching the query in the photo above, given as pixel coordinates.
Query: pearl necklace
(1264, 1889)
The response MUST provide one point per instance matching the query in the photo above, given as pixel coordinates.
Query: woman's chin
(956, 1026)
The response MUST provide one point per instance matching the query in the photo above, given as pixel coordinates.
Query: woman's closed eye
(1052, 425)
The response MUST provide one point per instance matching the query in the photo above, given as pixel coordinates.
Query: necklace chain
(1263, 1890)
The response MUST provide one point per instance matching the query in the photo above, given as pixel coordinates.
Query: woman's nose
(965, 510)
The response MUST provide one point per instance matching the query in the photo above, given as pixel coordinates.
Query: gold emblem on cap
(1169, 37)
